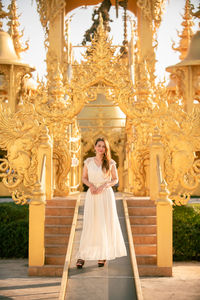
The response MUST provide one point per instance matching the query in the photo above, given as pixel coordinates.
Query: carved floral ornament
(21, 134)
(58, 102)
(147, 106)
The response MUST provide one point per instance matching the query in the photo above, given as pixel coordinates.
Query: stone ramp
(114, 281)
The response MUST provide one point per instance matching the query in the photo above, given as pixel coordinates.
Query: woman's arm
(114, 177)
(86, 181)
(114, 180)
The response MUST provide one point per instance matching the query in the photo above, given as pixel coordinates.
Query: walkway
(114, 281)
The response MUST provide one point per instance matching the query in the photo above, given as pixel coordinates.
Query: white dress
(101, 236)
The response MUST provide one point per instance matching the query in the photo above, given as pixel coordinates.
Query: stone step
(55, 249)
(57, 229)
(47, 270)
(139, 203)
(142, 211)
(145, 249)
(146, 259)
(59, 211)
(144, 238)
(61, 202)
(153, 270)
(56, 220)
(149, 229)
(142, 220)
(56, 239)
(55, 259)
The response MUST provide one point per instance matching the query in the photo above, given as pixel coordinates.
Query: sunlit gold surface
(144, 104)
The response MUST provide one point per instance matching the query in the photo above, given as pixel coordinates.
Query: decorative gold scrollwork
(20, 136)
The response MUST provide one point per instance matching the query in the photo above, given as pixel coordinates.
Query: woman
(101, 237)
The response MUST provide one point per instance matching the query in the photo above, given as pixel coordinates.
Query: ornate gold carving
(20, 136)
(13, 29)
(49, 9)
(3, 14)
(58, 109)
(152, 10)
(187, 32)
(95, 73)
(56, 103)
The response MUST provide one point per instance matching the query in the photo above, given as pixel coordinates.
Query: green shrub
(13, 230)
(10, 212)
(186, 233)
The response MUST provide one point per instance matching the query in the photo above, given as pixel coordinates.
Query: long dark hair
(107, 156)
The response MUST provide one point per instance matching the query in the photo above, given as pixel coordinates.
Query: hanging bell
(193, 56)
(8, 54)
(7, 50)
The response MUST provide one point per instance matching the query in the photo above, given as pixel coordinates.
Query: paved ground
(184, 285)
(15, 283)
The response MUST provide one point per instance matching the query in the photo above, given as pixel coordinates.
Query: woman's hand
(101, 188)
(93, 189)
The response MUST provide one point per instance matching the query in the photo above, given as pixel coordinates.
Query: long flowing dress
(101, 236)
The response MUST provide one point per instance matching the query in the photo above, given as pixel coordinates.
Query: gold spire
(13, 29)
(187, 32)
(3, 14)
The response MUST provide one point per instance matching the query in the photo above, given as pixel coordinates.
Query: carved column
(145, 35)
(56, 36)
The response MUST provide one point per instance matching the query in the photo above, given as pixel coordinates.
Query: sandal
(101, 263)
(80, 263)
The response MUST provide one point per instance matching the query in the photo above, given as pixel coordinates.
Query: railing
(69, 253)
(132, 252)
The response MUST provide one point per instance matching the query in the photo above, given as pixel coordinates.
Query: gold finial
(13, 29)
(187, 32)
(3, 15)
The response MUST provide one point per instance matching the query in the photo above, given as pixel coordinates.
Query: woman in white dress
(101, 238)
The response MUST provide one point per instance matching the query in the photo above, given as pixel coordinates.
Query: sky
(81, 21)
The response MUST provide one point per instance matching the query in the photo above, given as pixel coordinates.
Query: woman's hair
(106, 156)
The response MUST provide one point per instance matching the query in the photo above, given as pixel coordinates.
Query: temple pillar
(56, 36)
(145, 35)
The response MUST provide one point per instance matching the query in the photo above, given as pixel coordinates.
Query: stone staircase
(142, 215)
(58, 220)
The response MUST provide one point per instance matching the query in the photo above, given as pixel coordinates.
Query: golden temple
(48, 128)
